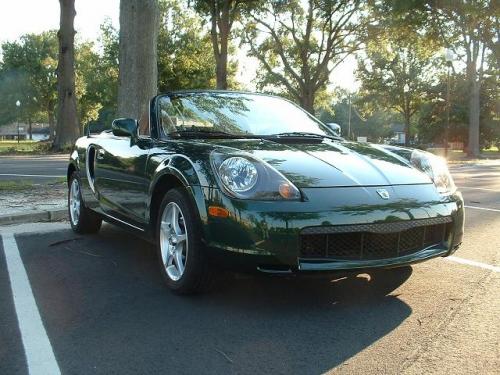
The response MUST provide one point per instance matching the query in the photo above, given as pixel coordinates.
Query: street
(36, 168)
(96, 304)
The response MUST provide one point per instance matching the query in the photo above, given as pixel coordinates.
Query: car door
(120, 177)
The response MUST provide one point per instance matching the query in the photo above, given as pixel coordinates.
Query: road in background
(479, 183)
(36, 168)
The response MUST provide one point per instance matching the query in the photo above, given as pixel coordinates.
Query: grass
(460, 156)
(7, 147)
(26, 148)
(22, 185)
(492, 149)
(59, 181)
(15, 185)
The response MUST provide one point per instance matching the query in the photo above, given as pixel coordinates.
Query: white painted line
(30, 175)
(39, 354)
(33, 228)
(473, 263)
(476, 188)
(483, 208)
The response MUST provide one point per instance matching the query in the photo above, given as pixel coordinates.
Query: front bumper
(335, 265)
(267, 235)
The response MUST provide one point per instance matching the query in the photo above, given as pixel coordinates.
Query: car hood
(330, 163)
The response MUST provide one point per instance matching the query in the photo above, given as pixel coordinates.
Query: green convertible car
(253, 182)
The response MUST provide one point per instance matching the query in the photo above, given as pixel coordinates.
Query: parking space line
(37, 348)
(473, 263)
(483, 208)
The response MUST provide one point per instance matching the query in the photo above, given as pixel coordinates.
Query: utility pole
(406, 90)
(449, 61)
(349, 121)
(18, 105)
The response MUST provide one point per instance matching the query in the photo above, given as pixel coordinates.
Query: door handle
(100, 154)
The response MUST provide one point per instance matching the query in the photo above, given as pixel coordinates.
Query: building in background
(10, 132)
(399, 135)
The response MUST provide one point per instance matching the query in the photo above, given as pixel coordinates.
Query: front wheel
(81, 218)
(181, 255)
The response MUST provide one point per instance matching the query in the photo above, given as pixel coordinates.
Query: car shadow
(319, 291)
(102, 295)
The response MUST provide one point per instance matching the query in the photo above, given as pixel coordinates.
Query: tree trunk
(138, 76)
(474, 103)
(221, 69)
(224, 40)
(407, 130)
(30, 129)
(52, 124)
(67, 120)
(307, 99)
(219, 34)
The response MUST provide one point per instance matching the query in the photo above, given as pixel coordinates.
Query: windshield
(234, 113)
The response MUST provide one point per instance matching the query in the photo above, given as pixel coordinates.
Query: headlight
(436, 168)
(246, 177)
(238, 174)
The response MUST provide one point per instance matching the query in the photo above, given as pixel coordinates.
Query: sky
(19, 17)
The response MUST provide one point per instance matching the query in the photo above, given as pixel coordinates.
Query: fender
(78, 162)
(184, 171)
(73, 164)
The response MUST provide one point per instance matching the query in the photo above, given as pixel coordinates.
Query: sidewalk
(33, 203)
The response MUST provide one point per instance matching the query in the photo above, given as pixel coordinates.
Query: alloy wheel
(173, 241)
(74, 202)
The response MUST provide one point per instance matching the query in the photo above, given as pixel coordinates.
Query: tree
(14, 86)
(470, 29)
(138, 56)
(395, 71)
(88, 82)
(28, 74)
(181, 42)
(103, 80)
(222, 14)
(29, 70)
(375, 126)
(299, 43)
(432, 122)
(67, 118)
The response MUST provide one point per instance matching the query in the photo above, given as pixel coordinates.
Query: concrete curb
(34, 217)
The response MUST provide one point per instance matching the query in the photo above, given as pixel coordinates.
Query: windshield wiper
(209, 134)
(306, 135)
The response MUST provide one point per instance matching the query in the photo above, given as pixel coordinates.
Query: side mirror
(125, 127)
(334, 127)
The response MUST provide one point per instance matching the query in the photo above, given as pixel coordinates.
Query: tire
(181, 254)
(82, 219)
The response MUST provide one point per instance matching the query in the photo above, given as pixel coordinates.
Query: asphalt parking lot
(96, 305)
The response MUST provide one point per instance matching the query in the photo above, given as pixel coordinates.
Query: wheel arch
(71, 169)
(166, 181)
(73, 165)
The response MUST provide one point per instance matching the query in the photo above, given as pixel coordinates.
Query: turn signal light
(217, 211)
(286, 191)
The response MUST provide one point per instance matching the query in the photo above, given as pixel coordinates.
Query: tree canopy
(297, 44)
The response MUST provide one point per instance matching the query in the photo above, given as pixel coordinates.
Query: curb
(34, 217)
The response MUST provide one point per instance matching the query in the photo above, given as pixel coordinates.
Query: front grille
(373, 241)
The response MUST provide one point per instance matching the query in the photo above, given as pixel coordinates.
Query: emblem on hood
(384, 194)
